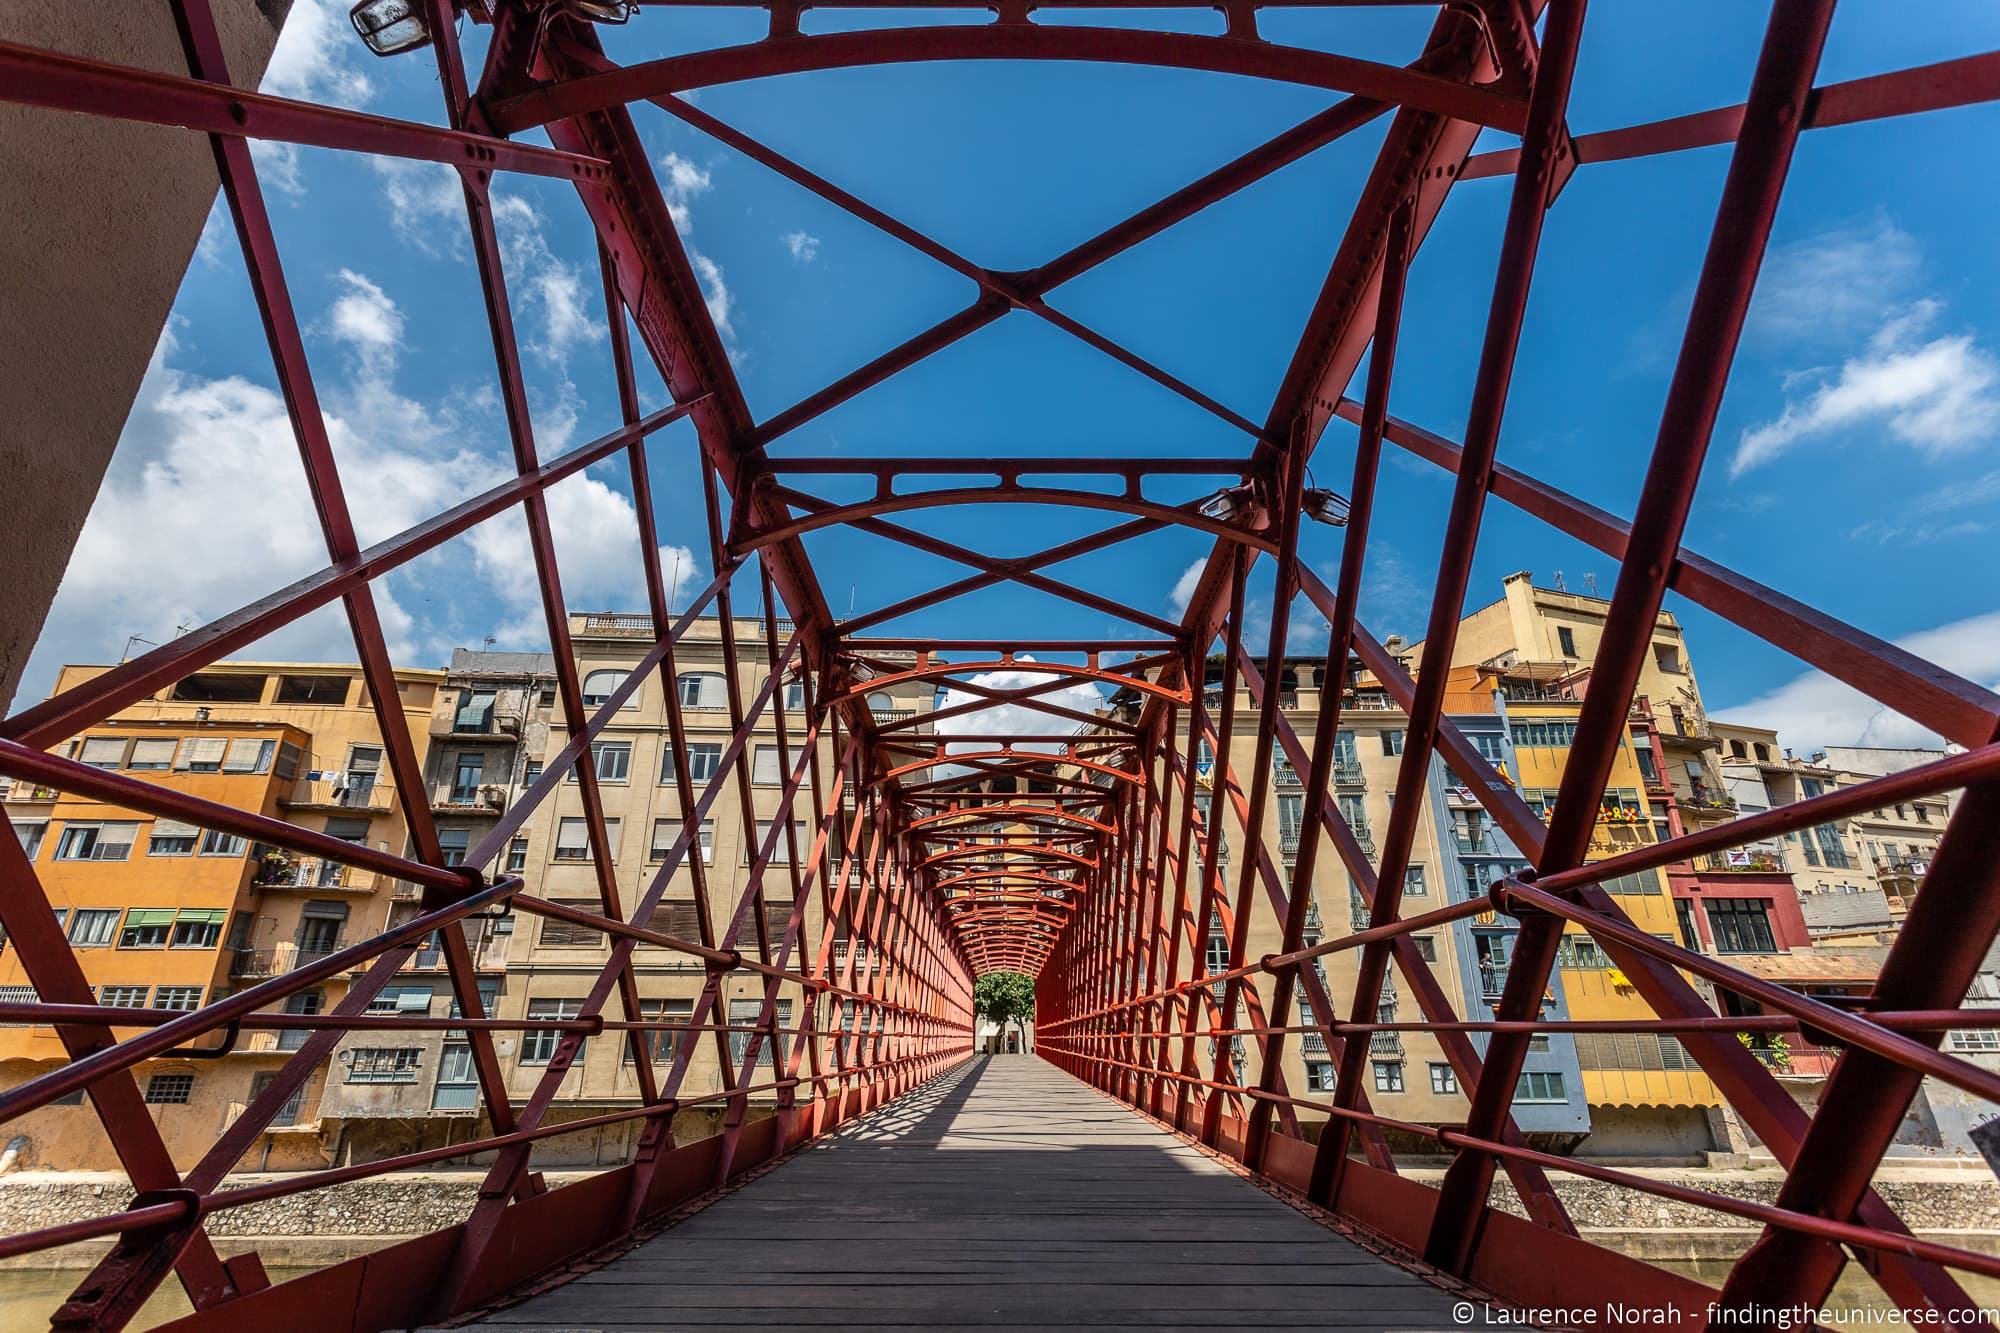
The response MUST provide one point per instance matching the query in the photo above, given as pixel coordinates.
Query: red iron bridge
(1119, 1174)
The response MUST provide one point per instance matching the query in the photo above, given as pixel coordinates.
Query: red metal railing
(1071, 848)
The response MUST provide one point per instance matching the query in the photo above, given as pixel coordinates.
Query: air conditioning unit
(493, 797)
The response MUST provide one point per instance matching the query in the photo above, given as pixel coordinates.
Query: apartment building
(1761, 776)
(552, 964)
(1408, 1074)
(1647, 1096)
(163, 914)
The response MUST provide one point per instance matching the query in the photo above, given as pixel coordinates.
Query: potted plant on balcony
(275, 866)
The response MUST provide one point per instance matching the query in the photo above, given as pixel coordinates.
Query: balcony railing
(26, 791)
(311, 873)
(493, 724)
(1385, 1043)
(343, 791)
(884, 716)
(486, 797)
(1741, 862)
(279, 959)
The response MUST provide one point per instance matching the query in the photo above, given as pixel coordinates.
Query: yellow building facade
(166, 915)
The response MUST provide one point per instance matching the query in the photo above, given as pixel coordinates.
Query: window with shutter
(170, 837)
(153, 753)
(777, 915)
(567, 935)
(765, 772)
(677, 919)
(247, 754)
(666, 832)
(202, 754)
(103, 751)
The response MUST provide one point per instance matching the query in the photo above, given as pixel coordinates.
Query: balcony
(1347, 771)
(884, 716)
(280, 872)
(341, 791)
(25, 792)
(1741, 862)
(1475, 844)
(1385, 1043)
(488, 955)
(482, 798)
(279, 959)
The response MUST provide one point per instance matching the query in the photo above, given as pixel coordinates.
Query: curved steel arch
(799, 54)
(933, 670)
(833, 515)
(1022, 813)
(1005, 755)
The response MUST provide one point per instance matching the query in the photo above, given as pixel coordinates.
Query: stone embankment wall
(328, 1225)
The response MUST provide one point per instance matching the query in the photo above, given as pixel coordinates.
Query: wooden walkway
(1005, 1195)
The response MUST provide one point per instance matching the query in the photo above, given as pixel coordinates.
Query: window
(169, 1089)
(1392, 742)
(1762, 751)
(781, 848)
(704, 761)
(330, 691)
(1291, 819)
(177, 997)
(517, 854)
(1413, 882)
(123, 997)
(383, 1064)
(452, 842)
(198, 928)
(1319, 1076)
(95, 842)
(202, 754)
(1538, 1086)
(1638, 882)
(402, 1000)
(457, 1081)
(92, 927)
(170, 837)
(467, 776)
(1388, 1075)
(1648, 770)
(1566, 640)
(702, 689)
(598, 685)
(288, 1114)
(1923, 812)
(146, 928)
(613, 760)
(153, 753)
(531, 772)
(667, 831)
(1667, 657)
(573, 839)
(745, 1013)
(220, 687)
(1740, 925)
(1975, 1039)
(1579, 951)
(305, 1002)
(795, 697)
(1544, 734)
(664, 1011)
(30, 832)
(215, 842)
(1738, 750)
(1490, 746)
(1443, 1081)
(538, 1047)
(765, 772)
(1217, 958)
(249, 754)
(1427, 947)
(102, 751)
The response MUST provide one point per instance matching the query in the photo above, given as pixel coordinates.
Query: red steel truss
(1070, 848)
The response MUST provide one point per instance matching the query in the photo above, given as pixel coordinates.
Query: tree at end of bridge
(1005, 996)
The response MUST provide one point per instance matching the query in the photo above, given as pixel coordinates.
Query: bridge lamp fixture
(1324, 506)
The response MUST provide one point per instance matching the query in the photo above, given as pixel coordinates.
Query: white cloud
(681, 181)
(714, 291)
(1814, 710)
(365, 319)
(1393, 599)
(426, 201)
(316, 60)
(1185, 585)
(1938, 395)
(999, 719)
(804, 246)
(1836, 285)
(548, 285)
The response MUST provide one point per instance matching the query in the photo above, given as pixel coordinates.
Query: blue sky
(1853, 466)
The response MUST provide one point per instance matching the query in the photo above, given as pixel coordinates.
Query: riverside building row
(169, 916)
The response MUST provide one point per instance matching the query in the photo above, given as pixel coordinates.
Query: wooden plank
(1004, 1195)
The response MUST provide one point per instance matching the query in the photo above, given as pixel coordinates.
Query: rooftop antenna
(851, 588)
(1559, 582)
(131, 639)
(1590, 582)
(489, 641)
